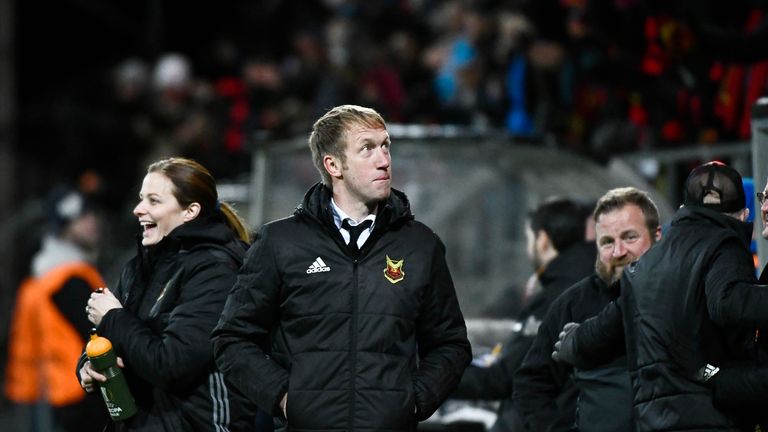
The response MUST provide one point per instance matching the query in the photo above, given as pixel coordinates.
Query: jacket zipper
(755, 344)
(353, 346)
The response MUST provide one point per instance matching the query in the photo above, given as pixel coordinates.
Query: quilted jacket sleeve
(249, 316)
(444, 350)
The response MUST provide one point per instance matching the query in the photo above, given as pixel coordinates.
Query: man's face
(530, 245)
(85, 230)
(622, 238)
(764, 214)
(366, 172)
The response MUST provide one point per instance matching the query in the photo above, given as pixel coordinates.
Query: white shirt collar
(339, 216)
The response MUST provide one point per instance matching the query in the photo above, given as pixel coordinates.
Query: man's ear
(191, 212)
(332, 165)
(546, 248)
(744, 214)
(543, 242)
(658, 233)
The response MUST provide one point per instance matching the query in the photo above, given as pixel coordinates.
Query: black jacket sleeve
(487, 383)
(444, 350)
(600, 339)
(182, 350)
(733, 296)
(540, 379)
(250, 314)
(495, 381)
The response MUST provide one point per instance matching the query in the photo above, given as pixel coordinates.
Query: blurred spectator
(560, 256)
(177, 108)
(49, 329)
(594, 77)
(128, 131)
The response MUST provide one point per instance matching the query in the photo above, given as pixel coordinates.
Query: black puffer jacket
(675, 304)
(544, 390)
(495, 382)
(741, 386)
(355, 348)
(172, 295)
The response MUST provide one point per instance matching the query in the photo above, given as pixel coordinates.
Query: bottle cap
(97, 346)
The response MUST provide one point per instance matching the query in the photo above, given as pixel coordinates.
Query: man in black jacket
(555, 244)
(353, 295)
(679, 307)
(626, 224)
(743, 383)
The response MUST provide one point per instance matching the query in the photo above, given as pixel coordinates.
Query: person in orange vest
(48, 329)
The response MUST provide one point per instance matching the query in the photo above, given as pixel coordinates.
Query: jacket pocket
(318, 391)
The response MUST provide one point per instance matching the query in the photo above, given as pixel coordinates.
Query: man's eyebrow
(372, 141)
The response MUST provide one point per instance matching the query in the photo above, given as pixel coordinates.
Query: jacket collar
(317, 202)
(743, 230)
(209, 229)
(575, 262)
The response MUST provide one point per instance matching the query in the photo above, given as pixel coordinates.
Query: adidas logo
(708, 372)
(318, 266)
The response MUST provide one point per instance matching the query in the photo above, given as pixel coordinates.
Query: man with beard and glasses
(682, 307)
(555, 232)
(626, 225)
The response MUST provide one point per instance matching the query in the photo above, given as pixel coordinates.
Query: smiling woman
(169, 298)
(159, 211)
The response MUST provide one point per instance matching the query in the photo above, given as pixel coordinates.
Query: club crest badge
(394, 271)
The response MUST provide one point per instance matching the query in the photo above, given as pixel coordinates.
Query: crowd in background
(593, 77)
(589, 76)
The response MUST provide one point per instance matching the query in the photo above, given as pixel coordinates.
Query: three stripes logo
(708, 371)
(318, 266)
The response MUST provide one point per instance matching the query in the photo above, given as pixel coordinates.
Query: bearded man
(626, 225)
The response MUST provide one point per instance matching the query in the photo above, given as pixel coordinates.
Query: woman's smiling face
(158, 211)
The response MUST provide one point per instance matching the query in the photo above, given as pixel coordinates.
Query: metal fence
(474, 192)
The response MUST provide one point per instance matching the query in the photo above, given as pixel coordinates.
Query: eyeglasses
(761, 197)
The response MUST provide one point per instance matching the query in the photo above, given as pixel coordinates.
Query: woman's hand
(100, 303)
(89, 376)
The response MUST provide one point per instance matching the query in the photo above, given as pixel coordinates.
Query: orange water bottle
(114, 390)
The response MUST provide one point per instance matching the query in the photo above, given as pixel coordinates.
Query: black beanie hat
(65, 204)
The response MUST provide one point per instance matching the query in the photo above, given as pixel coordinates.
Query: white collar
(339, 216)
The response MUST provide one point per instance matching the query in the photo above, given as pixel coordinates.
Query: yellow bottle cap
(97, 346)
